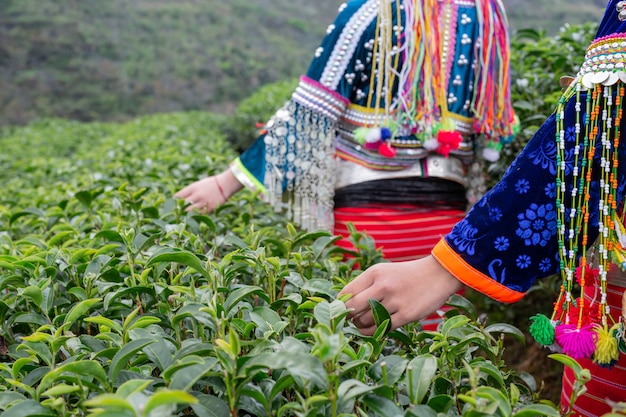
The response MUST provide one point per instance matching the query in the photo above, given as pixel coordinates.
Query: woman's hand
(209, 193)
(410, 291)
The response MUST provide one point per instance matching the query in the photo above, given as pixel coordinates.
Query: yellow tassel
(607, 352)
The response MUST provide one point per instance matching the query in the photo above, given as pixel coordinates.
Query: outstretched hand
(209, 193)
(410, 291)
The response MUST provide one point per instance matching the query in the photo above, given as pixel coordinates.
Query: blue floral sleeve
(509, 238)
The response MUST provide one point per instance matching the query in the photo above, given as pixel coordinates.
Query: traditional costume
(399, 100)
(559, 209)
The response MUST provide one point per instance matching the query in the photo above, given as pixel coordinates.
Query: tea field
(114, 301)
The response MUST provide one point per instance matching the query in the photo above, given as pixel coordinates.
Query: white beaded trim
(347, 43)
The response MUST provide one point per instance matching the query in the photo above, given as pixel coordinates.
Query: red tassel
(448, 141)
(590, 275)
(386, 150)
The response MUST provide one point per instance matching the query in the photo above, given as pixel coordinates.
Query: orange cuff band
(471, 277)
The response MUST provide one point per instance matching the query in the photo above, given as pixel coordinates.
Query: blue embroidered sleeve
(333, 78)
(510, 235)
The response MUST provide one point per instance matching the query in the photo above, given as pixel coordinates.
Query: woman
(382, 130)
(559, 208)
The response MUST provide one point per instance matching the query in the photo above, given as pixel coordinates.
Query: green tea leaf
(87, 368)
(185, 378)
(79, 310)
(381, 316)
(241, 293)
(533, 410)
(210, 406)
(419, 376)
(124, 355)
(167, 397)
(504, 328)
(28, 408)
(179, 256)
(567, 361)
(34, 294)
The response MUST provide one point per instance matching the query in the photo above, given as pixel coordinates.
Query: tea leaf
(567, 361)
(453, 323)
(381, 317)
(185, 378)
(296, 364)
(167, 397)
(121, 358)
(79, 310)
(34, 294)
(210, 406)
(111, 401)
(533, 410)
(382, 406)
(504, 328)
(178, 256)
(130, 387)
(86, 368)
(28, 408)
(419, 376)
(241, 293)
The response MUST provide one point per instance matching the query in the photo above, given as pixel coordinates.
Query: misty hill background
(117, 59)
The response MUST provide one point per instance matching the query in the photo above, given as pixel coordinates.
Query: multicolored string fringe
(421, 106)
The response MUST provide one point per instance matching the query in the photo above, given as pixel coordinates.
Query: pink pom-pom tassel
(577, 343)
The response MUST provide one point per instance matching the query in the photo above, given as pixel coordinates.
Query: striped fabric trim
(472, 277)
(245, 177)
(403, 234)
(315, 96)
(359, 116)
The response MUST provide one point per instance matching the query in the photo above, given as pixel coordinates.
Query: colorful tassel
(360, 134)
(491, 152)
(449, 140)
(577, 343)
(387, 150)
(431, 144)
(591, 274)
(385, 134)
(618, 333)
(607, 351)
(542, 329)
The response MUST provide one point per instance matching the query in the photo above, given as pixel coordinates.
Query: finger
(192, 206)
(184, 193)
(359, 284)
(367, 330)
(364, 320)
(359, 303)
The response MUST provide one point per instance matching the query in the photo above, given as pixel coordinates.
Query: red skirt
(402, 234)
(606, 383)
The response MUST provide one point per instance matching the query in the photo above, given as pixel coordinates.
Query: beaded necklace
(576, 326)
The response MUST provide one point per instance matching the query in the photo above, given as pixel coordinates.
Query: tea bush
(115, 301)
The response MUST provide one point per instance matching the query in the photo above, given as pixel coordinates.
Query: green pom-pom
(542, 330)
(359, 134)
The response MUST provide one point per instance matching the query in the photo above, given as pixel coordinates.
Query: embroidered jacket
(563, 193)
